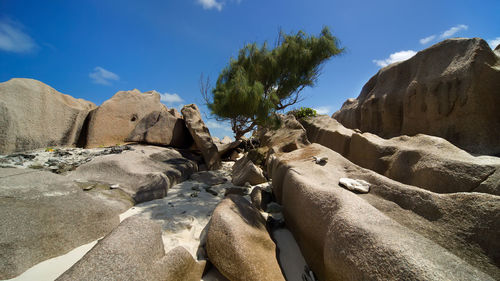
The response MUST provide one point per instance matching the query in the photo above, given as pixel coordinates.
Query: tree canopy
(262, 81)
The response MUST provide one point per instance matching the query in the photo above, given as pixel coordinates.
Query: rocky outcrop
(395, 232)
(289, 137)
(201, 136)
(449, 90)
(134, 251)
(238, 243)
(244, 170)
(424, 161)
(114, 121)
(34, 115)
(45, 215)
(161, 128)
(144, 173)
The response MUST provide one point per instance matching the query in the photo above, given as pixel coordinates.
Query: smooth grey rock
(146, 173)
(134, 251)
(45, 215)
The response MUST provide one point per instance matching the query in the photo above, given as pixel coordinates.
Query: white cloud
(211, 4)
(323, 110)
(395, 57)
(427, 39)
(13, 39)
(494, 42)
(170, 98)
(217, 125)
(103, 76)
(450, 32)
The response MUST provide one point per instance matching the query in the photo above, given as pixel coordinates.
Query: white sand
(49, 270)
(290, 257)
(184, 212)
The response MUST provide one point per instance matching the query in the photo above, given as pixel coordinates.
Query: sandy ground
(291, 260)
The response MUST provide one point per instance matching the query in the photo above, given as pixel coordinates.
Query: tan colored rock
(395, 232)
(290, 136)
(226, 140)
(134, 251)
(449, 90)
(201, 136)
(238, 243)
(226, 149)
(181, 266)
(162, 128)
(244, 170)
(34, 115)
(424, 161)
(114, 121)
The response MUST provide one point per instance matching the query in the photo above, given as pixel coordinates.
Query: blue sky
(92, 49)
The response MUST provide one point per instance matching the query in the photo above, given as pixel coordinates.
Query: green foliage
(303, 112)
(263, 81)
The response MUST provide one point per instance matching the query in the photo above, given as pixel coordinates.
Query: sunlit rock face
(450, 90)
(34, 115)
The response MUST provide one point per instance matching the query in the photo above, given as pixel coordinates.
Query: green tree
(261, 82)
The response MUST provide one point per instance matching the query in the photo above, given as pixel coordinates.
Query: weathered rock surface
(226, 149)
(161, 128)
(134, 251)
(424, 161)
(201, 136)
(244, 170)
(45, 215)
(449, 90)
(114, 121)
(395, 232)
(290, 136)
(145, 173)
(238, 243)
(34, 115)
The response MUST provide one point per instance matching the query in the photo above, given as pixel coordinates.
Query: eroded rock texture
(450, 90)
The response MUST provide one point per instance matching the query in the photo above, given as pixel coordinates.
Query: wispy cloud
(395, 57)
(14, 39)
(102, 76)
(170, 98)
(452, 31)
(218, 125)
(494, 42)
(323, 110)
(210, 4)
(427, 39)
(445, 34)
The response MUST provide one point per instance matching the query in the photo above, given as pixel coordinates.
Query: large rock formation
(450, 90)
(114, 121)
(162, 128)
(424, 161)
(45, 215)
(395, 232)
(201, 136)
(238, 243)
(34, 115)
(145, 173)
(134, 251)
